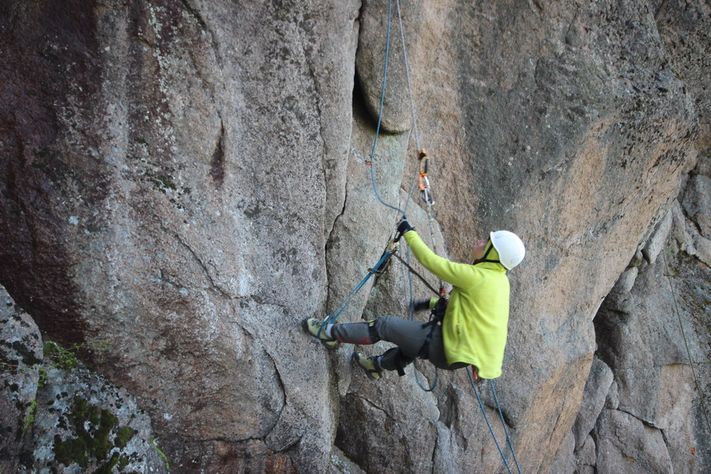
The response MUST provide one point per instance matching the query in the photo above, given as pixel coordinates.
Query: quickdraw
(423, 182)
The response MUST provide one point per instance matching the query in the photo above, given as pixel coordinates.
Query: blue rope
(488, 424)
(333, 317)
(383, 88)
(492, 389)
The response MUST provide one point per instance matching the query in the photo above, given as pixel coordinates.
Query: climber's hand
(404, 226)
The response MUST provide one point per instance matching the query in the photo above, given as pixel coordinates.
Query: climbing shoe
(313, 327)
(369, 364)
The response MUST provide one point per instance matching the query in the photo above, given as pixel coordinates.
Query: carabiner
(426, 190)
(423, 181)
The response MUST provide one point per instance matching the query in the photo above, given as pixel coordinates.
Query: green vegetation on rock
(97, 434)
(30, 416)
(61, 357)
(164, 458)
(42, 377)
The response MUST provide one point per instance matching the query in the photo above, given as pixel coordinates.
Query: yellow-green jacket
(476, 321)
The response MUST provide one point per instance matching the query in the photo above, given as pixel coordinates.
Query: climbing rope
(488, 423)
(413, 110)
(425, 190)
(422, 181)
(686, 345)
(381, 106)
(492, 389)
(411, 316)
(379, 266)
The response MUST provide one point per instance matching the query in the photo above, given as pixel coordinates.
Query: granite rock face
(596, 389)
(20, 354)
(57, 416)
(627, 443)
(171, 172)
(661, 390)
(182, 182)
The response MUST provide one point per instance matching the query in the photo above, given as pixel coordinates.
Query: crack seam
(373, 405)
(282, 387)
(328, 243)
(195, 13)
(646, 423)
(199, 261)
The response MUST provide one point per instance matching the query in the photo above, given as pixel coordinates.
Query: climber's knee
(373, 333)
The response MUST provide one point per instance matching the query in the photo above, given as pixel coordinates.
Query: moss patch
(60, 357)
(97, 434)
(42, 377)
(124, 435)
(30, 416)
(162, 182)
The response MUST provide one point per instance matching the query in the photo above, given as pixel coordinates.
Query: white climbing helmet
(509, 246)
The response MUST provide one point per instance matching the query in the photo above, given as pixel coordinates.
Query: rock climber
(474, 327)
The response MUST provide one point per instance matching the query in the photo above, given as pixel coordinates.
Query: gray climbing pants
(408, 335)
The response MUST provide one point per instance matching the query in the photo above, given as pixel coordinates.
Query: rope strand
(686, 345)
(413, 110)
(486, 419)
(492, 389)
(381, 106)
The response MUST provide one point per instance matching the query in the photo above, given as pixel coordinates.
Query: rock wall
(647, 396)
(646, 408)
(183, 182)
(57, 413)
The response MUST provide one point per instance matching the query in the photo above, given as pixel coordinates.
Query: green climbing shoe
(313, 327)
(369, 364)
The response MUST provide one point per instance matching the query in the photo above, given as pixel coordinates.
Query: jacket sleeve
(458, 274)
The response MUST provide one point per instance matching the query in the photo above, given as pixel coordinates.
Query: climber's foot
(316, 329)
(369, 364)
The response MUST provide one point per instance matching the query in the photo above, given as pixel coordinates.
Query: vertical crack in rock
(217, 165)
(282, 389)
(555, 426)
(318, 95)
(666, 441)
(434, 451)
(195, 13)
(449, 411)
(330, 242)
(662, 6)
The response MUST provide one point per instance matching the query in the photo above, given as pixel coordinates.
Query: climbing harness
(436, 318)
